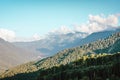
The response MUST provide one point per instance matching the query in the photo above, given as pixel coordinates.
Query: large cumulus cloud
(95, 23)
(7, 35)
(98, 23)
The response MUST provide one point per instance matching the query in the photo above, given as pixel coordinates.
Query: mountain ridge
(10, 55)
(47, 47)
(70, 55)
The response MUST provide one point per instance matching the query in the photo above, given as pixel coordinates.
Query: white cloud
(36, 37)
(111, 20)
(61, 30)
(95, 23)
(29, 39)
(10, 36)
(118, 14)
(7, 35)
(98, 23)
(22, 39)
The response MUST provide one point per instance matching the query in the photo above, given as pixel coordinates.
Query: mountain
(69, 55)
(99, 67)
(25, 51)
(96, 36)
(10, 55)
(90, 53)
(52, 44)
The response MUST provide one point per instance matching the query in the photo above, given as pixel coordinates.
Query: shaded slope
(11, 55)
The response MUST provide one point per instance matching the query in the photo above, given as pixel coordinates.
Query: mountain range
(54, 43)
(12, 54)
(107, 46)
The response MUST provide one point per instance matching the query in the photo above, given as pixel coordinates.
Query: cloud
(98, 23)
(23, 39)
(36, 36)
(61, 30)
(7, 35)
(110, 20)
(29, 39)
(10, 36)
(118, 14)
(95, 23)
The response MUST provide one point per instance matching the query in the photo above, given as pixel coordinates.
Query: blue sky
(27, 17)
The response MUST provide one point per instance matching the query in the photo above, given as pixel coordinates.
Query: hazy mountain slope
(96, 36)
(10, 55)
(55, 43)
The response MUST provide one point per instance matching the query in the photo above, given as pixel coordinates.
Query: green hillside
(97, 56)
(92, 67)
(99, 67)
(69, 55)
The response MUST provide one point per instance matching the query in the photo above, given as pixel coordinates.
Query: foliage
(93, 59)
(102, 67)
(108, 45)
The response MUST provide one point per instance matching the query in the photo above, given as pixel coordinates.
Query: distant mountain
(54, 43)
(10, 55)
(101, 47)
(96, 36)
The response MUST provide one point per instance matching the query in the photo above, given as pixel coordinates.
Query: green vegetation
(24, 68)
(89, 67)
(99, 60)
(99, 67)
(108, 45)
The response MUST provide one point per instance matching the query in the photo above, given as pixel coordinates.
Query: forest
(99, 60)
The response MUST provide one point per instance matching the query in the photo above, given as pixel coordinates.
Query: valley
(90, 58)
(59, 40)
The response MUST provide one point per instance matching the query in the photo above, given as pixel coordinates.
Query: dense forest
(92, 67)
(99, 60)
(89, 67)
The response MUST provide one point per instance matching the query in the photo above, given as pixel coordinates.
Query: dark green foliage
(108, 45)
(23, 76)
(21, 69)
(94, 61)
(101, 68)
